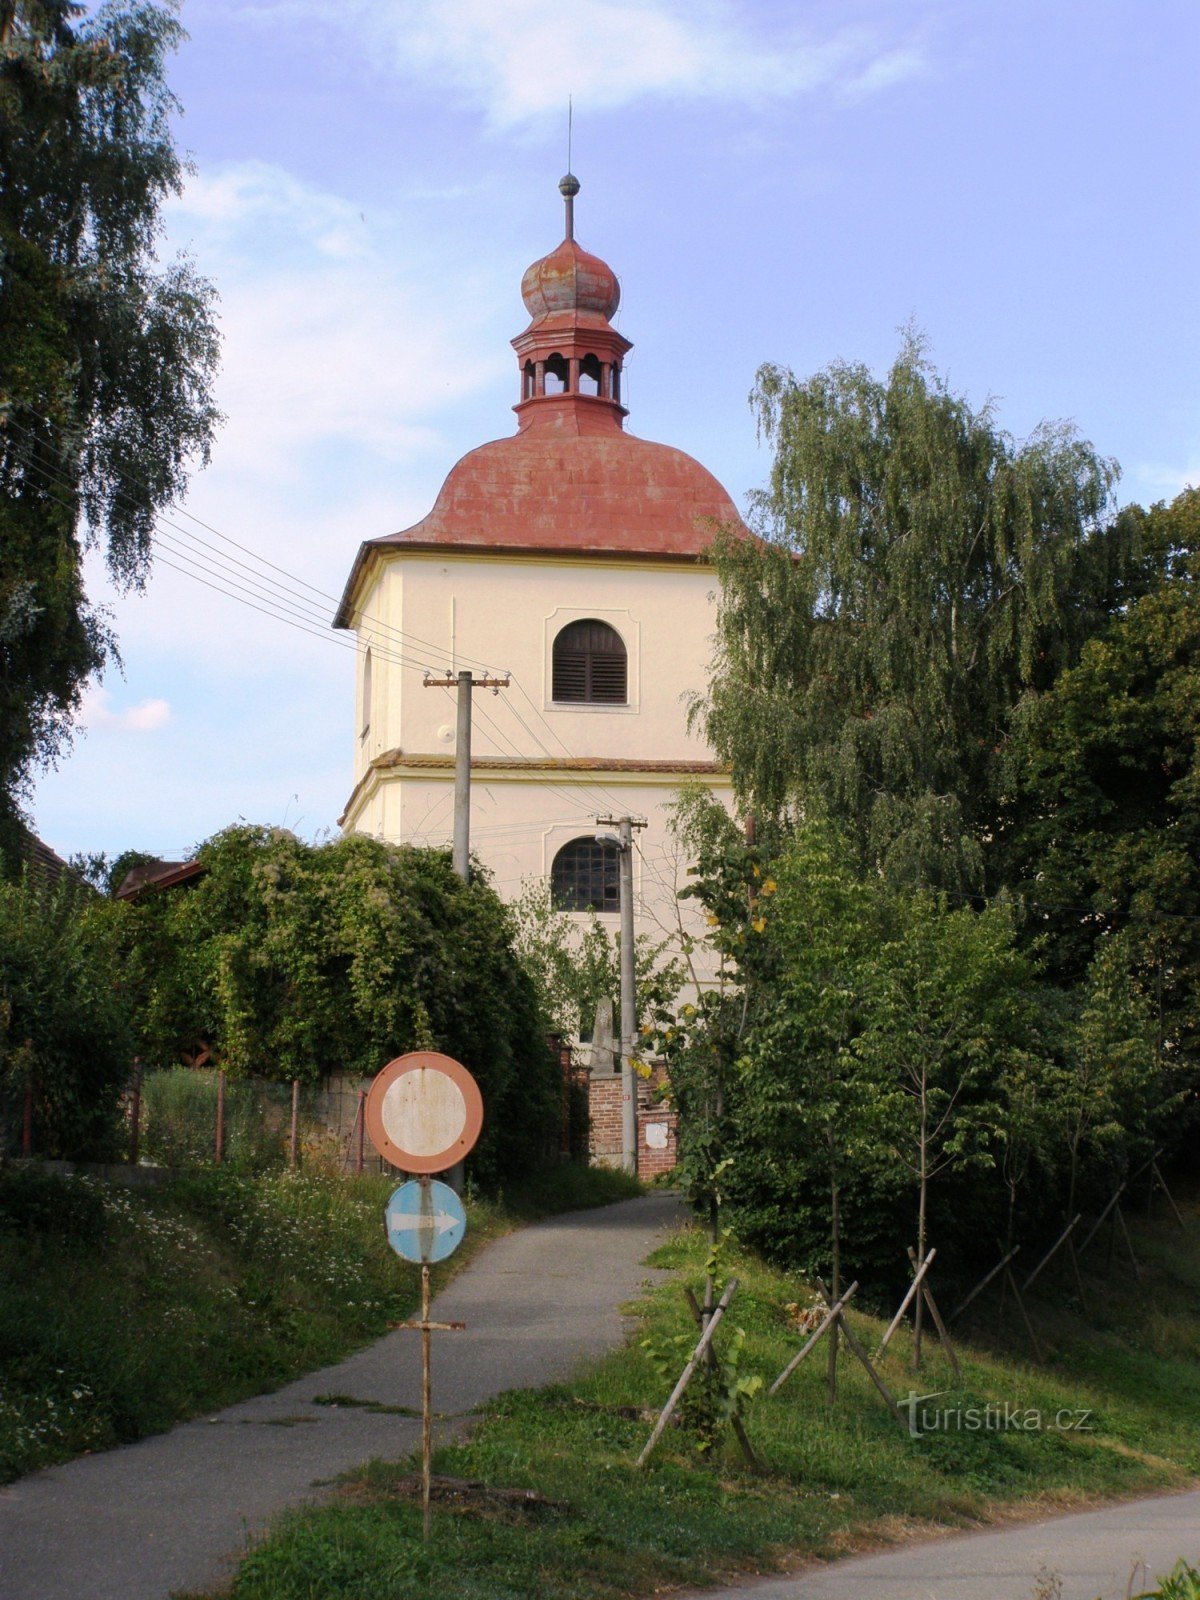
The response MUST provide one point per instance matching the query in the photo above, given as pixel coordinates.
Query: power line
(407, 640)
(265, 588)
(280, 608)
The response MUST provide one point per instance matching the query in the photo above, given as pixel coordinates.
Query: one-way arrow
(439, 1221)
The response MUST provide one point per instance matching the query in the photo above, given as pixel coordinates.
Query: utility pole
(623, 840)
(464, 683)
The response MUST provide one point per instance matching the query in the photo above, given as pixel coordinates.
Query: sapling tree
(950, 1005)
(808, 1100)
(1108, 1096)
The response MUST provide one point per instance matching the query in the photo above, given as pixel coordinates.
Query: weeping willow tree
(916, 571)
(108, 353)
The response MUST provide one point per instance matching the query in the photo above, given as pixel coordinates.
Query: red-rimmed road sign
(424, 1112)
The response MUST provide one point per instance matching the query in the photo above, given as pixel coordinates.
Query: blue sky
(774, 181)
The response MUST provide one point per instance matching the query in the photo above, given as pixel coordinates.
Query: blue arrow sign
(425, 1221)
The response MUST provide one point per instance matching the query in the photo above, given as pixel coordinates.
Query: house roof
(151, 875)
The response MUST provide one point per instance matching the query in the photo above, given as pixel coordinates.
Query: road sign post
(423, 1113)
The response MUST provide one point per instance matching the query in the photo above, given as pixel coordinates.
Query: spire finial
(568, 187)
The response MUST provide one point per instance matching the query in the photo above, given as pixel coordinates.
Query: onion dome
(569, 279)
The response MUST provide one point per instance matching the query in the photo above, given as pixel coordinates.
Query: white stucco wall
(502, 613)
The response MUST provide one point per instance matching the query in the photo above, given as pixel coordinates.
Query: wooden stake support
(1156, 1171)
(927, 1296)
(1099, 1222)
(1053, 1250)
(1121, 1223)
(830, 1315)
(694, 1361)
(913, 1287)
(857, 1350)
(1011, 1283)
(739, 1431)
(1004, 1265)
(219, 1144)
(1025, 1317)
(983, 1283)
(294, 1136)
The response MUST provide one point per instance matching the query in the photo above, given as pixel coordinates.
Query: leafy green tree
(866, 1044)
(1107, 1096)
(915, 573)
(573, 967)
(107, 355)
(64, 1016)
(1103, 834)
(808, 1101)
(951, 1015)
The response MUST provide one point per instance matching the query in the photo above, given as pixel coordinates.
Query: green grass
(123, 1311)
(835, 1480)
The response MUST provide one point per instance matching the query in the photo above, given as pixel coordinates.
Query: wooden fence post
(27, 1118)
(294, 1142)
(135, 1114)
(220, 1140)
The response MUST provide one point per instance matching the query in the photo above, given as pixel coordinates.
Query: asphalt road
(1107, 1554)
(176, 1511)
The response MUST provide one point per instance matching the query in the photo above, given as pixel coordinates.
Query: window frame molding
(621, 621)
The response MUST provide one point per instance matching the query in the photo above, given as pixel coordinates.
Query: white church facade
(570, 558)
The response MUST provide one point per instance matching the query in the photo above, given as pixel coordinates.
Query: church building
(569, 557)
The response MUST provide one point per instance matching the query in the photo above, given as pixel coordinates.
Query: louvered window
(589, 664)
(586, 877)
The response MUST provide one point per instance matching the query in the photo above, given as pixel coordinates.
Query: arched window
(589, 664)
(558, 375)
(529, 387)
(366, 694)
(589, 375)
(586, 876)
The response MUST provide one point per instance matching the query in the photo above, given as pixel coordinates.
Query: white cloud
(146, 717)
(519, 59)
(1156, 480)
(334, 329)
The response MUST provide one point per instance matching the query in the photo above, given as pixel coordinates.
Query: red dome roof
(567, 489)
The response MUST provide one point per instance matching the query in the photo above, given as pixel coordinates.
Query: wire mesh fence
(183, 1117)
(199, 1116)
(189, 1117)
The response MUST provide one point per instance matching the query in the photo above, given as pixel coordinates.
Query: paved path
(1092, 1553)
(175, 1511)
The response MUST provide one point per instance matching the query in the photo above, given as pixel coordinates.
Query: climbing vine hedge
(294, 961)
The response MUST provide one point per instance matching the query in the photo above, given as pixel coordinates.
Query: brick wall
(656, 1146)
(604, 1109)
(656, 1141)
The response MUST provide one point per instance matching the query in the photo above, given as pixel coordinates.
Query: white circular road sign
(424, 1112)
